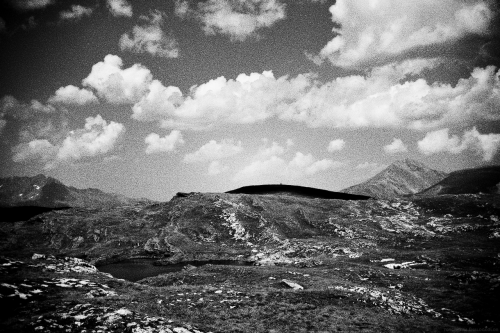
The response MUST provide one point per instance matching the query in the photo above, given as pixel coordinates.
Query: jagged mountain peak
(402, 177)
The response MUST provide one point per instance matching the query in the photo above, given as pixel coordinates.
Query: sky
(151, 98)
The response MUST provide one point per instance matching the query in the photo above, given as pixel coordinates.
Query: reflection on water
(137, 269)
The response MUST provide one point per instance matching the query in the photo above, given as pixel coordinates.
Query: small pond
(137, 269)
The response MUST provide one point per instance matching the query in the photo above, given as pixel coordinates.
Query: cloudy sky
(148, 98)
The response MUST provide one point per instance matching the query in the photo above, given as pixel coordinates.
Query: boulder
(291, 284)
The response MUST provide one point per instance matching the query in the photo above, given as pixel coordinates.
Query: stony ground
(415, 265)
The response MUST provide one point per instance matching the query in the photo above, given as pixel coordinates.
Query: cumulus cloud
(395, 147)
(96, 138)
(377, 99)
(380, 98)
(157, 144)
(336, 145)
(39, 149)
(275, 149)
(11, 108)
(485, 145)
(117, 85)
(120, 8)
(247, 99)
(31, 121)
(381, 30)
(213, 151)
(75, 13)
(238, 19)
(73, 95)
(150, 38)
(278, 169)
(158, 103)
(31, 4)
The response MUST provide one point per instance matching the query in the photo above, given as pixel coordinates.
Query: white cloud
(277, 169)
(12, 108)
(73, 95)
(96, 138)
(380, 30)
(117, 85)
(213, 151)
(336, 145)
(237, 19)
(486, 145)
(120, 8)
(216, 168)
(32, 121)
(275, 149)
(157, 144)
(159, 102)
(395, 147)
(150, 38)
(76, 13)
(32, 4)
(247, 99)
(378, 99)
(39, 149)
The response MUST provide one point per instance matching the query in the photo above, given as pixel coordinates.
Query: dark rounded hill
(479, 180)
(295, 190)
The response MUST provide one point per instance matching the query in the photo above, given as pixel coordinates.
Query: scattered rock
(291, 284)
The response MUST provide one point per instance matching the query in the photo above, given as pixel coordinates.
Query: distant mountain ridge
(44, 191)
(400, 178)
(468, 181)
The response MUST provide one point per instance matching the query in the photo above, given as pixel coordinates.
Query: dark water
(137, 269)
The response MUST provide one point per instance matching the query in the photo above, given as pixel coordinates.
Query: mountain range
(43, 191)
(403, 177)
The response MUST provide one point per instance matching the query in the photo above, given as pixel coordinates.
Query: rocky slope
(206, 226)
(400, 178)
(399, 265)
(45, 191)
(479, 180)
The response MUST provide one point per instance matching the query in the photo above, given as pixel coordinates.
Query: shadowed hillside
(301, 191)
(398, 179)
(480, 180)
(23, 213)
